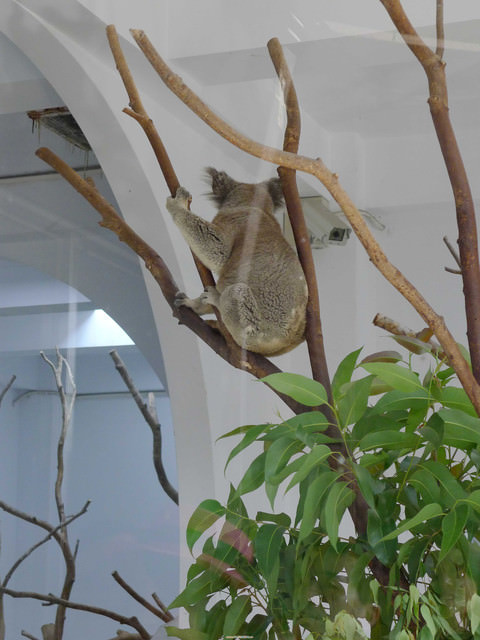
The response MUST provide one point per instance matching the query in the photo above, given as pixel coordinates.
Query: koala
(261, 292)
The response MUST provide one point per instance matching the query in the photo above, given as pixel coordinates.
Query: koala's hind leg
(204, 238)
(200, 305)
(239, 311)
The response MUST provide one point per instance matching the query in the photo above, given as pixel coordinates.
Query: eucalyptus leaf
(315, 458)
(389, 440)
(300, 388)
(254, 476)
(453, 526)
(338, 499)
(268, 542)
(344, 372)
(236, 615)
(395, 375)
(311, 508)
(204, 516)
(354, 402)
(426, 513)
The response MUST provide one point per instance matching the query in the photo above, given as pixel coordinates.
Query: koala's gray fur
(261, 291)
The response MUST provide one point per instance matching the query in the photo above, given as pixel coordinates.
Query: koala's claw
(180, 299)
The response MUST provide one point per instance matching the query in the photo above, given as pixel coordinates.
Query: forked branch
(434, 69)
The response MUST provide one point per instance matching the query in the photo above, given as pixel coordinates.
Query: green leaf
(389, 440)
(473, 499)
(300, 388)
(451, 488)
(402, 400)
(473, 610)
(311, 507)
(454, 398)
(339, 498)
(282, 519)
(426, 484)
(344, 372)
(250, 436)
(427, 513)
(353, 404)
(315, 458)
(206, 514)
(279, 453)
(268, 542)
(236, 615)
(461, 429)
(377, 528)
(254, 476)
(394, 375)
(453, 525)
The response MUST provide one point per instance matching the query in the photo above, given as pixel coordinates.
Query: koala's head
(227, 192)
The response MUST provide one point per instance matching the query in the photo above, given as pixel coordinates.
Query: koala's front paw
(180, 299)
(210, 296)
(182, 199)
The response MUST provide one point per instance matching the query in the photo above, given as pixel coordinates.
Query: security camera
(325, 227)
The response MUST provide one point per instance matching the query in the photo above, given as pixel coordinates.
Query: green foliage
(413, 455)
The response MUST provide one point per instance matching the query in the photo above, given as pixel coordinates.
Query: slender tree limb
(136, 596)
(162, 607)
(138, 112)
(7, 387)
(67, 401)
(314, 334)
(151, 418)
(33, 548)
(440, 30)
(454, 254)
(423, 336)
(330, 180)
(27, 635)
(51, 599)
(434, 68)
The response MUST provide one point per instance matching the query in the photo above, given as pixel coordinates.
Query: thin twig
(162, 607)
(50, 535)
(413, 338)
(439, 21)
(150, 415)
(27, 635)
(330, 180)
(67, 401)
(156, 612)
(51, 599)
(7, 387)
(453, 251)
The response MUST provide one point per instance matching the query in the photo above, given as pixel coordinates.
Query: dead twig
(162, 607)
(440, 30)
(61, 602)
(166, 617)
(67, 400)
(415, 341)
(149, 412)
(7, 387)
(330, 180)
(455, 255)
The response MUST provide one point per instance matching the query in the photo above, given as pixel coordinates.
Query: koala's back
(261, 258)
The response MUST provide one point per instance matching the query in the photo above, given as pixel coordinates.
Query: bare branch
(156, 612)
(139, 113)
(162, 607)
(453, 251)
(27, 635)
(50, 535)
(440, 30)
(434, 69)
(331, 182)
(150, 415)
(415, 340)
(51, 599)
(7, 387)
(314, 334)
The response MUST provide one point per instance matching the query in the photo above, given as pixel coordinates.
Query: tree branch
(166, 617)
(434, 68)
(67, 401)
(51, 599)
(139, 114)
(7, 387)
(151, 418)
(314, 334)
(330, 181)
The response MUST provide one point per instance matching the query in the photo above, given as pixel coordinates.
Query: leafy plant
(415, 455)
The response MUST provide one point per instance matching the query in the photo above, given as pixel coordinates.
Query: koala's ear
(275, 190)
(222, 184)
